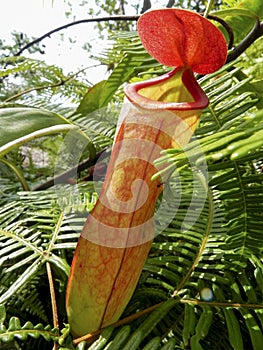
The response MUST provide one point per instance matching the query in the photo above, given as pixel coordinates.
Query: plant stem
(18, 173)
(55, 234)
(50, 278)
(53, 299)
(88, 20)
(128, 319)
(205, 238)
(65, 176)
(90, 337)
(55, 129)
(221, 304)
(53, 295)
(208, 7)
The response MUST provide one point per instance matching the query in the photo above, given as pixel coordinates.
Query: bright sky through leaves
(36, 17)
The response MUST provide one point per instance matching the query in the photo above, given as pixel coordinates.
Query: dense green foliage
(204, 275)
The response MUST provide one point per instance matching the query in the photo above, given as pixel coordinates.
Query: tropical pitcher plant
(157, 114)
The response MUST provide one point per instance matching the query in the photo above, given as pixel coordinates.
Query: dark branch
(122, 8)
(64, 177)
(170, 3)
(146, 6)
(255, 33)
(65, 26)
(227, 28)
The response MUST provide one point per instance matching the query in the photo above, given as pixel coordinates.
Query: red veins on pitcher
(157, 114)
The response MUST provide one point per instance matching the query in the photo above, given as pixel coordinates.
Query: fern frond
(39, 227)
(99, 125)
(39, 82)
(14, 330)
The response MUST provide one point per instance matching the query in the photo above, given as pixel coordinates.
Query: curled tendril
(227, 28)
(252, 36)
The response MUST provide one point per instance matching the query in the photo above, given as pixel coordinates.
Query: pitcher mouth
(200, 100)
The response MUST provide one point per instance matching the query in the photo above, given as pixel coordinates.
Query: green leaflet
(91, 101)
(202, 327)
(120, 338)
(241, 19)
(15, 330)
(154, 344)
(255, 6)
(18, 122)
(103, 339)
(19, 125)
(253, 328)
(2, 314)
(170, 345)
(250, 145)
(233, 328)
(134, 341)
(189, 322)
